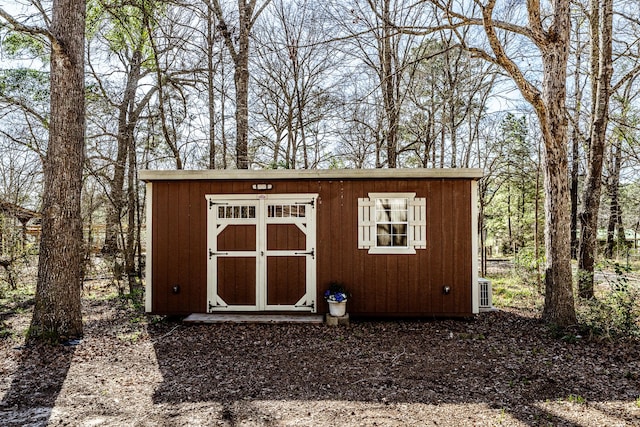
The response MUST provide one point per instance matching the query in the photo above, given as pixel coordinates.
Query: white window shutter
(366, 223)
(418, 223)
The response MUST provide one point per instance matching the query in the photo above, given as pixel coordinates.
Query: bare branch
(26, 108)
(223, 27)
(529, 91)
(257, 14)
(535, 23)
(632, 74)
(15, 25)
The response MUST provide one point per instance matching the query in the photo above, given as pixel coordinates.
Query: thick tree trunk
(559, 305)
(57, 313)
(550, 108)
(593, 181)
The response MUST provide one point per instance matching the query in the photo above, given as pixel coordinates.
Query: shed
(403, 241)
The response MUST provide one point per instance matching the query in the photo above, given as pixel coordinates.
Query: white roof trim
(235, 174)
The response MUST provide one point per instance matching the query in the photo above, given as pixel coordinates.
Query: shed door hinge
(212, 254)
(212, 306)
(212, 203)
(312, 252)
(311, 305)
(312, 203)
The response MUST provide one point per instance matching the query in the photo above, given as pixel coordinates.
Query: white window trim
(416, 238)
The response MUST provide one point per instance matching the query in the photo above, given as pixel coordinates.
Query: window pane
(399, 229)
(383, 210)
(400, 240)
(391, 222)
(383, 235)
(229, 212)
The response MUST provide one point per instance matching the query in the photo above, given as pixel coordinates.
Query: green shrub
(615, 312)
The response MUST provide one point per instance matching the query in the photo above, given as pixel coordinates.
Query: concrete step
(252, 318)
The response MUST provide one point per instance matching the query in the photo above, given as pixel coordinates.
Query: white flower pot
(337, 309)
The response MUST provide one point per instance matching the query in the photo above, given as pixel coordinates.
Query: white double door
(261, 252)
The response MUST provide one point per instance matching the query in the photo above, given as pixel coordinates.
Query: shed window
(392, 223)
(237, 211)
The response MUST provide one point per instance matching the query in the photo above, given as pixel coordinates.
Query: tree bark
(387, 83)
(615, 211)
(575, 148)
(559, 304)
(241, 79)
(132, 197)
(126, 124)
(247, 15)
(210, 88)
(602, 14)
(550, 108)
(57, 312)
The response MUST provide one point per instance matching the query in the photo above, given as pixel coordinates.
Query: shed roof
(235, 174)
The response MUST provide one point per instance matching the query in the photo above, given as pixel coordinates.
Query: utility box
(486, 296)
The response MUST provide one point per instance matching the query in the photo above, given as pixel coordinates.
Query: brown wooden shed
(403, 241)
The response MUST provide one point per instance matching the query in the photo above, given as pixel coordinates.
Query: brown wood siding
(395, 285)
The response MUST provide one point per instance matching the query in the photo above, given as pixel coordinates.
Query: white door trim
(306, 224)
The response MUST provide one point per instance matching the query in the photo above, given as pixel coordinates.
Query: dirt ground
(501, 368)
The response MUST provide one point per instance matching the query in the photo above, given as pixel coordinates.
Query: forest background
(292, 84)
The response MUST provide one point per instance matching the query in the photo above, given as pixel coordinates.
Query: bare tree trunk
(241, 79)
(169, 137)
(130, 243)
(602, 14)
(536, 226)
(247, 15)
(483, 241)
(223, 115)
(57, 313)
(442, 146)
(550, 108)
(387, 79)
(210, 88)
(509, 226)
(124, 141)
(615, 211)
(575, 170)
(559, 304)
(575, 149)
